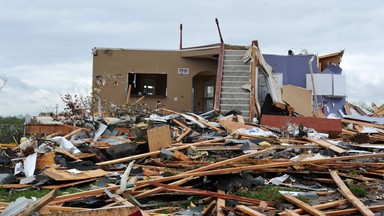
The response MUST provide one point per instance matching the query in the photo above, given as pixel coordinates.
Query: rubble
(208, 164)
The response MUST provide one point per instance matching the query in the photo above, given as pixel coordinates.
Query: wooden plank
(181, 156)
(327, 145)
(60, 150)
(159, 189)
(69, 135)
(63, 175)
(303, 205)
(321, 206)
(211, 126)
(247, 210)
(79, 195)
(68, 184)
(232, 126)
(159, 137)
(114, 210)
(39, 203)
(219, 204)
(290, 213)
(353, 210)
(363, 209)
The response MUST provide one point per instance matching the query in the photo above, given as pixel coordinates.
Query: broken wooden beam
(303, 205)
(326, 144)
(39, 203)
(363, 209)
(248, 211)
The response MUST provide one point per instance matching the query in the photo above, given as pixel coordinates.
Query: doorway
(203, 92)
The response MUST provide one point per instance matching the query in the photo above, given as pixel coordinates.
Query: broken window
(148, 84)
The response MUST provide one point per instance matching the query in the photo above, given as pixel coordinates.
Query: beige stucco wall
(115, 64)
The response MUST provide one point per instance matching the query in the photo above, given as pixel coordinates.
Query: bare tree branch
(3, 81)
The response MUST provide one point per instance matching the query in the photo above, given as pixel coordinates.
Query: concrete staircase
(236, 73)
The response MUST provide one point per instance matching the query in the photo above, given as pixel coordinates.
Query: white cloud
(33, 88)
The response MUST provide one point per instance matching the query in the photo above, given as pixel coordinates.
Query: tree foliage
(11, 128)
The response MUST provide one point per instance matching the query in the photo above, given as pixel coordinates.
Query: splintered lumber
(187, 130)
(353, 210)
(181, 156)
(228, 161)
(290, 213)
(209, 208)
(211, 126)
(247, 210)
(60, 150)
(39, 203)
(220, 203)
(46, 210)
(321, 206)
(114, 210)
(79, 195)
(63, 175)
(210, 193)
(327, 145)
(232, 126)
(363, 209)
(159, 137)
(68, 184)
(69, 135)
(134, 157)
(160, 189)
(303, 205)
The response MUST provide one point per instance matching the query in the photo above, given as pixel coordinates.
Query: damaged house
(220, 77)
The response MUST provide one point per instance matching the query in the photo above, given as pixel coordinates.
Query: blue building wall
(294, 69)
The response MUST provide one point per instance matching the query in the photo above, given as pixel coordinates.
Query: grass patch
(266, 193)
(12, 195)
(358, 190)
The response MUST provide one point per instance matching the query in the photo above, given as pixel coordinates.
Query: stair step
(234, 94)
(235, 62)
(234, 102)
(235, 52)
(229, 89)
(236, 67)
(236, 78)
(233, 83)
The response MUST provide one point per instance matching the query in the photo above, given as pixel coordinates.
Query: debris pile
(164, 162)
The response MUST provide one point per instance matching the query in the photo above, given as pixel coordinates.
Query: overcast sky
(46, 45)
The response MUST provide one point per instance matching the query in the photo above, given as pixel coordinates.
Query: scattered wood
(181, 156)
